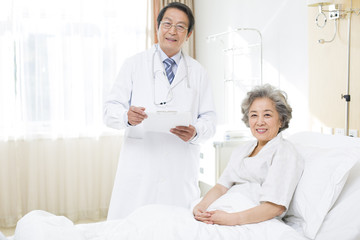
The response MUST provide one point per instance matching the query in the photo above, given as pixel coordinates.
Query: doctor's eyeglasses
(179, 27)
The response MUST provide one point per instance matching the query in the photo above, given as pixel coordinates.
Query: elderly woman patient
(256, 186)
(269, 164)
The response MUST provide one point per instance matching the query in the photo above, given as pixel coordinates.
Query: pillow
(2, 237)
(343, 221)
(325, 173)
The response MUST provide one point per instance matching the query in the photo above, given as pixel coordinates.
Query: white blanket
(158, 222)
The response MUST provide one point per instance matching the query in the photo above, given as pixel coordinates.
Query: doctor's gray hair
(278, 97)
(181, 7)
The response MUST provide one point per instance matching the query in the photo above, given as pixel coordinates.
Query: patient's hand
(202, 216)
(217, 217)
(200, 210)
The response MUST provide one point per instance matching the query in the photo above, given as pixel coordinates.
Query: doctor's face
(171, 40)
(264, 120)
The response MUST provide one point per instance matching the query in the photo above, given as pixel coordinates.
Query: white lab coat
(158, 167)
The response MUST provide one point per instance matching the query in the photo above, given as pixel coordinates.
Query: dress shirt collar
(163, 56)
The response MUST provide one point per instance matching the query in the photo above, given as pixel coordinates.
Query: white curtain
(59, 58)
(58, 61)
(71, 177)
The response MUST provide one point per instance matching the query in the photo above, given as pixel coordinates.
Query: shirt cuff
(126, 120)
(193, 140)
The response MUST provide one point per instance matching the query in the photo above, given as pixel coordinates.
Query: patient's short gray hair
(277, 96)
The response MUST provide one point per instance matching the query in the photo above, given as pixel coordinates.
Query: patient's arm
(214, 193)
(263, 212)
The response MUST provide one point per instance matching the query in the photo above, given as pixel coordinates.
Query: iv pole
(334, 14)
(214, 36)
(347, 95)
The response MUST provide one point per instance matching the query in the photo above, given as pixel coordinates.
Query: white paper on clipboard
(163, 121)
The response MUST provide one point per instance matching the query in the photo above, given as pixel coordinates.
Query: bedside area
(214, 157)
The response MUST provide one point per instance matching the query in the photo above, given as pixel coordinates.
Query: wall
(283, 24)
(328, 72)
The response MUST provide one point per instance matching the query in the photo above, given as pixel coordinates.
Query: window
(59, 59)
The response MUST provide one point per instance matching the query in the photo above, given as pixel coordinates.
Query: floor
(10, 231)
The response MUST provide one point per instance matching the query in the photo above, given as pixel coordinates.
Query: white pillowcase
(325, 173)
(2, 237)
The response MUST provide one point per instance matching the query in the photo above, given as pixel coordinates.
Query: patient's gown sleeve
(230, 176)
(283, 175)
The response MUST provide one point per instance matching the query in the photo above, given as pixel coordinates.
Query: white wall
(283, 24)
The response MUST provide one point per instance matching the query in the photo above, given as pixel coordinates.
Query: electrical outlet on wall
(339, 131)
(353, 133)
(326, 130)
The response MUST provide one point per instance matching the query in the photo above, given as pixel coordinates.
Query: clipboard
(163, 121)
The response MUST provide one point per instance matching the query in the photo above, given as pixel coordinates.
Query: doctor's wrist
(193, 136)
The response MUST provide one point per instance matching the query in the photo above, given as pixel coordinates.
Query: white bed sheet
(165, 222)
(179, 224)
(156, 222)
(153, 222)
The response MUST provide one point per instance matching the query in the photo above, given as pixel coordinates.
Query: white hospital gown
(272, 175)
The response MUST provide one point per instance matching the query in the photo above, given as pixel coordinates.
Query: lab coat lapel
(161, 83)
(180, 73)
(159, 71)
(158, 65)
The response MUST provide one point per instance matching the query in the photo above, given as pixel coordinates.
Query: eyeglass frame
(177, 26)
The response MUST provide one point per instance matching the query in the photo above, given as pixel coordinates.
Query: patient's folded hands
(199, 209)
(217, 217)
(202, 216)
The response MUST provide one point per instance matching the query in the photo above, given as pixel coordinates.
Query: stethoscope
(169, 95)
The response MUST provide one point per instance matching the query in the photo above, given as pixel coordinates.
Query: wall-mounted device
(335, 12)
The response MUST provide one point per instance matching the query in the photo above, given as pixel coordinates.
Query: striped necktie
(168, 69)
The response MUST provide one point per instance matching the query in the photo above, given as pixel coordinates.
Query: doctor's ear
(189, 34)
(157, 32)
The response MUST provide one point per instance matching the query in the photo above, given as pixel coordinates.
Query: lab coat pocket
(187, 103)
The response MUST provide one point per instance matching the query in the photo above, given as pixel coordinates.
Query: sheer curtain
(59, 58)
(57, 63)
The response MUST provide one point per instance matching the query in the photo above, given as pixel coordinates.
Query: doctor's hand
(136, 115)
(183, 132)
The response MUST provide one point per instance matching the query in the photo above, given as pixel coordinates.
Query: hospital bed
(325, 206)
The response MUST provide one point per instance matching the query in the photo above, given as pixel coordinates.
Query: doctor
(156, 167)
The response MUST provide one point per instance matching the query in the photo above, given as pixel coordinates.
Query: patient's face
(264, 120)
